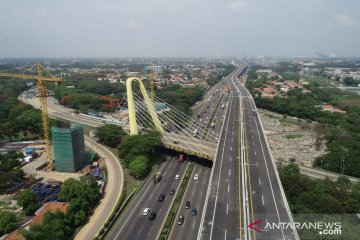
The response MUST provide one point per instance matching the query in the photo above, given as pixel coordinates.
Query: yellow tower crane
(152, 83)
(43, 105)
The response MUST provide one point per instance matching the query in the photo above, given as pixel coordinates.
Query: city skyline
(179, 28)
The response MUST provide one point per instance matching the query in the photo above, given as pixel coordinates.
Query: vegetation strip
(174, 207)
(122, 203)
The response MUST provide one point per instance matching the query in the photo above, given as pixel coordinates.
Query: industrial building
(68, 148)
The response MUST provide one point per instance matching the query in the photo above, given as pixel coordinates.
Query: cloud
(237, 6)
(135, 24)
(344, 20)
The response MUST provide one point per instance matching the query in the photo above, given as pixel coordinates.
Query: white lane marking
(228, 187)
(253, 144)
(159, 211)
(232, 140)
(193, 224)
(225, 234)
(227, 209)
(257, 165)
(201, 193)
(252, 136)
(231, 149)
(255, 153)
(150, 230)
(151, 195)
(259, 182)
(140, 230)
(268, 175)
(230, 159)
(217, 187)
(131, 214)
(193, 192)
(229, 172)
(262, 198)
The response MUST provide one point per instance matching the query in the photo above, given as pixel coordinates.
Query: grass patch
(293, 136)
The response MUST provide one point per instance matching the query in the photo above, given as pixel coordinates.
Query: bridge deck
(190, 145)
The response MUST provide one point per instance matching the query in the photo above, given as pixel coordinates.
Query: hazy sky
(158, 28)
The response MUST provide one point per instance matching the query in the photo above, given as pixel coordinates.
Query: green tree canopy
(8, 221)
(53, 227)
(27, 200)
(110, 134)
(139, 167)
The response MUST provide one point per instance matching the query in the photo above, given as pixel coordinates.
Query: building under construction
(68, 148)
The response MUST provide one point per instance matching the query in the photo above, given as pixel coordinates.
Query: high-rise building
(68, 148)
(156, 69)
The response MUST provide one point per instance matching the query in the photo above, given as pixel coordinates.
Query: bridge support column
(131, 107)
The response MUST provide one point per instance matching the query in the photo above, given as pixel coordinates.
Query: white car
(146, 212)
(196, 177)
(176, 176)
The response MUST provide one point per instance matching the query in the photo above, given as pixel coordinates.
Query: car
(181, 220)
(181, 157)
(187, 204)
(175, 142)
(176, 176)
(146, 212)
(152, 215)
(196, 176)
(161, 197)
(172, 191)
(193, 211)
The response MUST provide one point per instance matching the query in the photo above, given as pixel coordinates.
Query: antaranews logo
(323, 228)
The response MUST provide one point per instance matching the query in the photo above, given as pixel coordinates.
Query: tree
(8, 221)
(139, 167)
(139, 144)
(27, 200)
(53, 227)
(82, 194)
(110, 134)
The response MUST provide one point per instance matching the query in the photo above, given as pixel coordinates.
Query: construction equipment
(152, 83)
(43, 105)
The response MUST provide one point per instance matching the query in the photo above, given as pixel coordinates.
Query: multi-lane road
(132, 225)
(244, 186)
(239, 189)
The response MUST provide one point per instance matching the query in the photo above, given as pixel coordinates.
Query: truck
(254, 111)
(157, 177)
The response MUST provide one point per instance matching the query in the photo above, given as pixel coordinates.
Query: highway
(244, 185)
(132, 225)
(196, 189)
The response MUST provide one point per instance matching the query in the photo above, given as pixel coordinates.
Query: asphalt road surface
(244, 185)
(133, 225)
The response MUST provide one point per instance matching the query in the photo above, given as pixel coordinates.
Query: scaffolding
(68, 148)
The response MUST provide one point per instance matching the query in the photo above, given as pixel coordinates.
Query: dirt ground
(290, 139)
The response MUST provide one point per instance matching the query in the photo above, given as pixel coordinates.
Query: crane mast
(43, 105)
